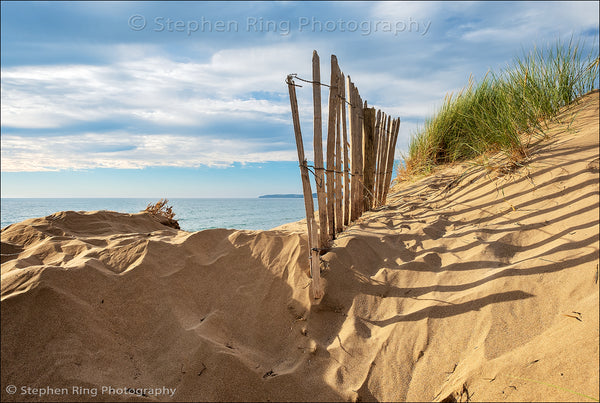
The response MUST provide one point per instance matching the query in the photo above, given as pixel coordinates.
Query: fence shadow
(422, 225)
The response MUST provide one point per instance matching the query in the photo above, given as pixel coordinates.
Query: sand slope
(479, 285)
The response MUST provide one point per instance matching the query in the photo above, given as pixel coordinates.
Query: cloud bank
(116, 96)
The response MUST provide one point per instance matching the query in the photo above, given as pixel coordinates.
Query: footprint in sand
(505, 247)
(437, 229)
(433, 260)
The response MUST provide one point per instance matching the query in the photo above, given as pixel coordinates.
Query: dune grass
(163, 213)
(505, 111)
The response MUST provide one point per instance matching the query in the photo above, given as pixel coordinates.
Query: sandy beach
(475, 283)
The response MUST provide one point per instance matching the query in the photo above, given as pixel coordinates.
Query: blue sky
(134, 99)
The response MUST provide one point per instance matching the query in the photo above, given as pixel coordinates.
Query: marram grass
(502, 112)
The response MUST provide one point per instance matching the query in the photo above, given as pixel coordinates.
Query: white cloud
(241, 85)
(404, 10)
(125, 151)
(527, 22)
(156, 90)
(145, 83)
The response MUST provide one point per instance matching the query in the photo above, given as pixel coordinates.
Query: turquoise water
(192, 214)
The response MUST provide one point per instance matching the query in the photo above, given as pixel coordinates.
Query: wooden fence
(360, 157)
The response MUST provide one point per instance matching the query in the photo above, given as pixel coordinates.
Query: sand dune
(473, 283)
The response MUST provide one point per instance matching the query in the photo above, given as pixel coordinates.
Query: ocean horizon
(193, 214)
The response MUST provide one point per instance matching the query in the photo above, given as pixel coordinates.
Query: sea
(192, 214)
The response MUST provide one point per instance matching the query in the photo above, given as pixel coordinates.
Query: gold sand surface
(483, 288)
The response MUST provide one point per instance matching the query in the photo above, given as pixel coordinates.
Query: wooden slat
(392, 152)
(379, 154)
(389, 158)
(350, 143)
(354, 149)
(318, 150)
(315, 263)
(369, 156)
(357, 163)
(338, 159)
(376, 154)
(345, 146)
(388, 137)
(359, 135)
(308, 199)
(331, 148)
(382, 156)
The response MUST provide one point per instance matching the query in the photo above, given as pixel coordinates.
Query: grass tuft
(163, 212)
(503, 112)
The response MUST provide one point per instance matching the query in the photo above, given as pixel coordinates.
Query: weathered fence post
(376, 144)
(369, 154)
(331, 147)
(384, 160)
(315, 262)
(378, 158)
(339, 225)
(360, 117)
(355, 121)
(318, 149)
(390, 162)
(315, 268)
(382, 156)
(353, 147)
(346, 165)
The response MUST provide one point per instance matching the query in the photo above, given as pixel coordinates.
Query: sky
(188, 99)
